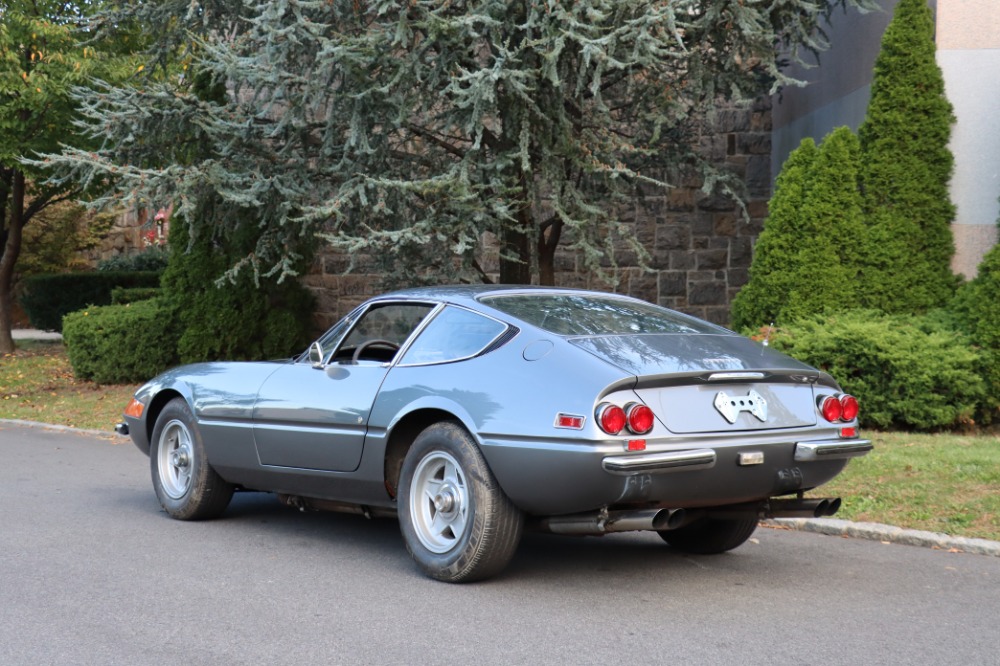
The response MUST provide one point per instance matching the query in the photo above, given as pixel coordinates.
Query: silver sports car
(476, 412)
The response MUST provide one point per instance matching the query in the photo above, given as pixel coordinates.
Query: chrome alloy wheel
(175, 459)
(439, 502)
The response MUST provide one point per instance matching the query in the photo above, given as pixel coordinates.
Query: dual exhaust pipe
(659, 520)
(802, 508)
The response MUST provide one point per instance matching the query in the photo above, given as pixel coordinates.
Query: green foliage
(977, 308)
(126, 295)
(44, 57)
(807, 259)
(117, 344)
(906, 371)
(153, 258)
(237, 319)
(409, 132)
(47, 298)
(906, 169)
(57, 237)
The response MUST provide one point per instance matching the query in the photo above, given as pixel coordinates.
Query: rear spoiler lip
(749, 376)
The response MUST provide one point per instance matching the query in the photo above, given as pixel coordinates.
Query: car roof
(469, 293)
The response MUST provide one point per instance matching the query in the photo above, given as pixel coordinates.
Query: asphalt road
(93, 572)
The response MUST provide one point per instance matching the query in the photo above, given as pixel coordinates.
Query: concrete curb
(829, 526)
(62, 428)
(890, 534)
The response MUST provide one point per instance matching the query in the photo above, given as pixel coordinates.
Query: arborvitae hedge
(776, 256)
(906, 169)
(809, 256)
(232, 321)
(977, 307)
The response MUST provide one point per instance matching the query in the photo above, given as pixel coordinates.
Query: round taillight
(848, 407)
(830, 408)
(640, 418)
(611, 418)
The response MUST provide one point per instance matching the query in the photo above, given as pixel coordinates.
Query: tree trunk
(548, 241)
(11, 250)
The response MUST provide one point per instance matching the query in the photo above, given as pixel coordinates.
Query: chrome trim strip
(667, 461)
(831, 449)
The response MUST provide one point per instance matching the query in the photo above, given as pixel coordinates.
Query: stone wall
(700, 246)
(125, 237)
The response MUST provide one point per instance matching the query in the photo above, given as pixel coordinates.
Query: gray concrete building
(968, 52)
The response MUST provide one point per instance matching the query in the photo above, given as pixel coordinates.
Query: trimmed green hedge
(907, 372)
(46, 299)
(124, 295)
(153, 258)
(118, 344)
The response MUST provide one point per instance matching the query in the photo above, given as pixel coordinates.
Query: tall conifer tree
(807, 259)
(906, 169)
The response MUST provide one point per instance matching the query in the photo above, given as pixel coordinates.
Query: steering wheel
(372, 343)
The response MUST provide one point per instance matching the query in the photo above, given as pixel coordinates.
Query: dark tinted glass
(564, 314)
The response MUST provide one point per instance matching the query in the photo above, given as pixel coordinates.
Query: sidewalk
(34, 334)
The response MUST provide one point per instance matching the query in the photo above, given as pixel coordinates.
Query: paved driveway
(93, 572)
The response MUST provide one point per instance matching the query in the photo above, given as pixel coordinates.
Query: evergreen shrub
(810, 254)
(235, 320)
(153, 258)
(47, 298)
(906, 371)
(906, 166)
(117, 344)
(125, 295)
(977, 310)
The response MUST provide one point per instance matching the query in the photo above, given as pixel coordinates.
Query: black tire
(457, 523)
(709, 536)
(186, 485)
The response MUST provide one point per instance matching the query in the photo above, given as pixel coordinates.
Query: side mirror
(316, 355)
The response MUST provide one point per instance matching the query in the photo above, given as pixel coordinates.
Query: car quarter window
(455, 333)
(390, 323)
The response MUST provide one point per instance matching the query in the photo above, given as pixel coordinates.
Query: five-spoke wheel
(458, 524)
(185, 483)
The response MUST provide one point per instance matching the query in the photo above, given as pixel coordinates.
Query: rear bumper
(654, 463)
(832, 449)
(546, 478)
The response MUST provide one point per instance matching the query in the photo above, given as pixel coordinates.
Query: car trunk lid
(712, 383)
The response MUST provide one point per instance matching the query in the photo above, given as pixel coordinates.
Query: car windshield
(586, 314)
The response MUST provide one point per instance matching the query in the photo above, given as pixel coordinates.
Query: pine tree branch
(440, 143)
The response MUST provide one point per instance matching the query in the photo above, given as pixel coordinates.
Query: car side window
(454, 334)
(381, 331)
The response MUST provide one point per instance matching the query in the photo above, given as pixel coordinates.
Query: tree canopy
(44, 54)
(409, 132)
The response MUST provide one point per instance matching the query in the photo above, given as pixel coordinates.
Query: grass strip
(37, 384)
(938, 482)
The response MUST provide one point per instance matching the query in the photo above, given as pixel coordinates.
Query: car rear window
(586, 314)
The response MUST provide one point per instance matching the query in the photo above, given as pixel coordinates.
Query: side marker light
(571, 421)
(134, 409)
